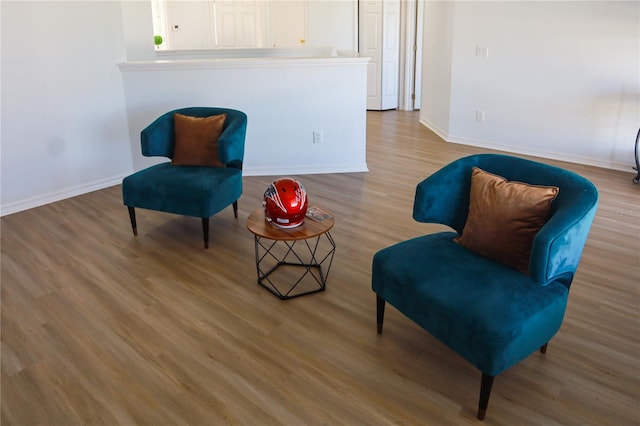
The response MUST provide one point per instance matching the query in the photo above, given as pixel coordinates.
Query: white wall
(285, 99)
(333, 24)
(64, 123)
(321, 23)
(437, 66)
(64, 128)
(137, 26)
(561, 80)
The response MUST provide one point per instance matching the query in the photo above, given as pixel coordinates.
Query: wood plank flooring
(103, 328)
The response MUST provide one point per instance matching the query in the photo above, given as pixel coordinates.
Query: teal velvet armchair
(189, 190)
(491, 314)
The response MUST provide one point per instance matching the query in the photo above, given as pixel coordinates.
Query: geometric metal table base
(293, 262)
(290, 269)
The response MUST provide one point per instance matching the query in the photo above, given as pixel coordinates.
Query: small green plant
(157, 40)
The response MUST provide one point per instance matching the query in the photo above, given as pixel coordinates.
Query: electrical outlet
(482, 51)
(479, 116)
(317, 136)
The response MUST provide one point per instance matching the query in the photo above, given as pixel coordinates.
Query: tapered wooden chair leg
(235, 209)
(380, 304)
(132, 217)
(485, 393)
(205, 231)
(543, 348)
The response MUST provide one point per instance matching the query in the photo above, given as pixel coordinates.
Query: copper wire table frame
(309, 246)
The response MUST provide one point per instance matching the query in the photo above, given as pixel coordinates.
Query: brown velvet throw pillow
(504, 217)
(196, 140)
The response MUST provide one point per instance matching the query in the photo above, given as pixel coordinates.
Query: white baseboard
(435, 129)
(552, 155)
(52, 197)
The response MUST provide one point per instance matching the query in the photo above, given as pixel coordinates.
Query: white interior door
(417, 73)
(190, 24)
(288, 20)
(370, 40)
(390, 53)
(238, 23)
(379, 39)
(411, 24)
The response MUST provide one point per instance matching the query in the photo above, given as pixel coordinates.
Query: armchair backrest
(158, 138)
(444, 198)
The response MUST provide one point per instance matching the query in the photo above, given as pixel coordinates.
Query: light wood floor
(103, 328)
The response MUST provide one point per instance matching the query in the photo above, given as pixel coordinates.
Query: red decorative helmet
(285, 203)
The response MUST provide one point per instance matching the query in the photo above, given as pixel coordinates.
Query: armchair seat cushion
(198, 191)
(491, 314)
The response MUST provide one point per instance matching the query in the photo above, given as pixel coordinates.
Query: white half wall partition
(287, 101)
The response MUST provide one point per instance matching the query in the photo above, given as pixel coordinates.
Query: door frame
(410, 75)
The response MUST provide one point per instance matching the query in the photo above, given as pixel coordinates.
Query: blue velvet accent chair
(198, 191)
(492, 315)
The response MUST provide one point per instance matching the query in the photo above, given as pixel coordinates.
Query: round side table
(296, 261)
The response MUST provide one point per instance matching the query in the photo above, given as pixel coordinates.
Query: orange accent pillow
(196, 140)
(504, 218)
